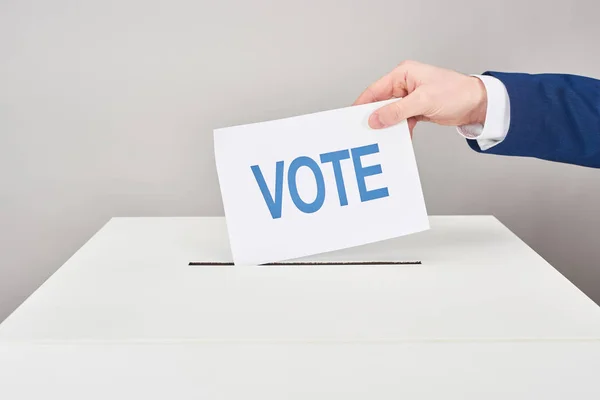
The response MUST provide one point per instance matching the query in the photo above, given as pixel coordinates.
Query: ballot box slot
(305, 263)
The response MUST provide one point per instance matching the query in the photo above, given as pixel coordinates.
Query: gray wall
(107, 109)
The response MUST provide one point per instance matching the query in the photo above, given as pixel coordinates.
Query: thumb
(410, 106)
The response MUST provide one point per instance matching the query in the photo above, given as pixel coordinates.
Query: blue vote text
(273, 200)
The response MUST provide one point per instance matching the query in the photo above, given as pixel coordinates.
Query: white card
(315, 183)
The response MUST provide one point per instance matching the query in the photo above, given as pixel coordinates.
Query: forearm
(552, 117)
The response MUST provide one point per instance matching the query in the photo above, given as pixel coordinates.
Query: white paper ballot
(315, 183)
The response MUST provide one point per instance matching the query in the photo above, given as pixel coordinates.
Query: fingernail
(375, 122)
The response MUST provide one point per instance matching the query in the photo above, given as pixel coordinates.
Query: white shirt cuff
(497, 119)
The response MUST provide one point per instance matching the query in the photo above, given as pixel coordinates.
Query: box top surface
(132, 282)
(418, 371)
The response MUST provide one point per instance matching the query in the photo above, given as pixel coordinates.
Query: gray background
(107, 109)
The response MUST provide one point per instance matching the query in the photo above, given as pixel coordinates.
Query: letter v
(274, 204)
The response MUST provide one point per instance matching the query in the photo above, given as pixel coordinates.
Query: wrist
(479, 95)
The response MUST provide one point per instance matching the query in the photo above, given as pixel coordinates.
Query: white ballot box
(481, 317)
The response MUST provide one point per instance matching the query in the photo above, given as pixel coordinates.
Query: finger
(382, 89)
(413, 105)
(386, 87)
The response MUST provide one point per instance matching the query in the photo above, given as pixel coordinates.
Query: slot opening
(304, 263)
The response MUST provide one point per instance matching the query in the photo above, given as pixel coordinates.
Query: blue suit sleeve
(553, 117)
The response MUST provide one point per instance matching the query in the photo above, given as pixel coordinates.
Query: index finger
(386, 87)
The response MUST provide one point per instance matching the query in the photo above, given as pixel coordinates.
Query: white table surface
(484, 316)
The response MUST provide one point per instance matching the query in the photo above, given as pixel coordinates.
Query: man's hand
(428, 94)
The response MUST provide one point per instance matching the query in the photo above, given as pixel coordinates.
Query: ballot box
(150, 308)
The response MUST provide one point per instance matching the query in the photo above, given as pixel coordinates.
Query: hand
(428, 94)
